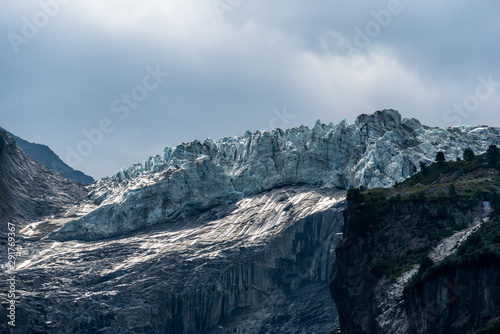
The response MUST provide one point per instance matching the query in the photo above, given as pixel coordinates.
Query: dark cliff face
(461, 294)
(403, 267)
(461, 300)
(351, 282)
(28, 189)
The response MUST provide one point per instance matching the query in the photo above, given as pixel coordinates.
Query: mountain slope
(260, 265)
(401, 268)
(43, 154)
(28, 189)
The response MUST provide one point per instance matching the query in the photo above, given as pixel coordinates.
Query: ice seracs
(378, 150)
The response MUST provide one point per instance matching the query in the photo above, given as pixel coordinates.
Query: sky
(106, 84)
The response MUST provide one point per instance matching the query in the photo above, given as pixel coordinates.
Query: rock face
(369, 303)
(376, 151)
(44, 155)
(460, 301)
(421, 258)
(260, 265)
(30, 190)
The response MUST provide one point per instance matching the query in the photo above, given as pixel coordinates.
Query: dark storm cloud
(236, 67)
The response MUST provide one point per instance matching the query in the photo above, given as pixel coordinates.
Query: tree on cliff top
(493, 155)
(440, 157)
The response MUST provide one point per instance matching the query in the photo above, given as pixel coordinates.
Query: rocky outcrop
(421, 258)
(44, 155)
(30, 190)
(260, 265)
(376, 151)
(370, 300)
(461, 300)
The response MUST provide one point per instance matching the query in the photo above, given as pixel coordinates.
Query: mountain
(46, 156)
(376, 151)
(30, 190)
(236, 235)
(423, 257)
(237, 268)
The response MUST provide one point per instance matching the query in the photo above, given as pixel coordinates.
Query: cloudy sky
(109, 83)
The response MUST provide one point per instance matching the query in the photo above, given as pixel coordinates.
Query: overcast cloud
(67, 67)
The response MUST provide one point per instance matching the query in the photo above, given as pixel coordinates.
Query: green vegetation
(451, 171)
(493, 155)
(425, 264)
(379, 215)
(353, 194)
(481, 248)
(382, 267)
(423, 168)
(452, 190)
(413, 169)
(491, 327)
(397, 227)
(495, 202)
(442, 212)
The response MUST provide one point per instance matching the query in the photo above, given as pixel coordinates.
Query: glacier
(377, 150)
(234, 235)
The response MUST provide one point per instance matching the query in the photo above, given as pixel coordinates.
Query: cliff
(29, 190)
(422, 257)
(44, 155)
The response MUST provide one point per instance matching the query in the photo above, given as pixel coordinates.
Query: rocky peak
(380, 121)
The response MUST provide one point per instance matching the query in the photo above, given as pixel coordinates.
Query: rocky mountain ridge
(376, 151)
(43, 154)
(235, 235)
(30, 190)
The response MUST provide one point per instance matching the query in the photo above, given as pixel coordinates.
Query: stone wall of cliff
(421, 257)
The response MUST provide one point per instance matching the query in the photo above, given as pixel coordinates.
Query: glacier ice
(378, 150)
